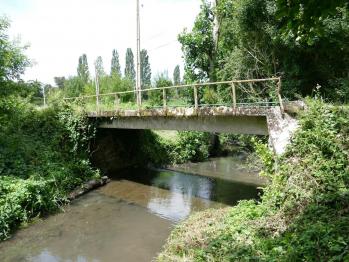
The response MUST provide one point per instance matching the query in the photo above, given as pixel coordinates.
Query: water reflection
(174, 195)
(233, 168)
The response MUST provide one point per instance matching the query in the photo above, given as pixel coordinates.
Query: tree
(198, 46)
(177, 76)
(83, 72)
(115, 64)
(99, 67)
(156, 96)
(12, 60)
(59, 81)
(242, 39)
(73, 86)
(130, 72)
(304, 19)
(145, 69)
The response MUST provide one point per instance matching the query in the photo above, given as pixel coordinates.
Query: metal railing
(268, 92)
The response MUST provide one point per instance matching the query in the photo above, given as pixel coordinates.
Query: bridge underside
(256, 125)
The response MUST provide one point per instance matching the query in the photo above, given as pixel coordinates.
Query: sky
(59, 31)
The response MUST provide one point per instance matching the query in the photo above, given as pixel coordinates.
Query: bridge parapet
(252, 96)
(185, 112)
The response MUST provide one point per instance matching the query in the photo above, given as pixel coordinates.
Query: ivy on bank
(43, 155)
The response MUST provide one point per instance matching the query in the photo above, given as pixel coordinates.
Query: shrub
(43, 155)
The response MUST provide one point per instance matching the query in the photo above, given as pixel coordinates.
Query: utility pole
(138, 71)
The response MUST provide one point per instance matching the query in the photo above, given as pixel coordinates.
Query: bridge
(252, 106)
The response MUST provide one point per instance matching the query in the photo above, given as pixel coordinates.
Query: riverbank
(303, 213)
(44, 155)
(237, 168)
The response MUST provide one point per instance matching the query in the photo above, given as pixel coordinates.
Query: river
(130, 218)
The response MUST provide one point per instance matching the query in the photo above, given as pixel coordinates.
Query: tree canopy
(130, 71)
(115, 64)
(12, 59)
(264, 38)
(99, 67)
(83, 72)
(177, 75)
(145, 69)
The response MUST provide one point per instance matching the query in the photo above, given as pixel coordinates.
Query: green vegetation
(44, 153)
(303, 214)
(186, 146)
(243, 39)
(115, 64)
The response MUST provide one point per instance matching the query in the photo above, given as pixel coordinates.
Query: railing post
(137, 97)
(97, 103)
(233, 89)
(196, 102)
(140, 99)
(164, 98)
(116, 102)
(279, 95)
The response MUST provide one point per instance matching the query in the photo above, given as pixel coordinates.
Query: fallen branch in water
(88, 186)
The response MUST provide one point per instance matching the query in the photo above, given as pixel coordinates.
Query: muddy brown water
(130, 218)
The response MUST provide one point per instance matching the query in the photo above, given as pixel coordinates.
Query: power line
(153, 37)
(163, 45)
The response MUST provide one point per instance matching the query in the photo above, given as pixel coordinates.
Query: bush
(190, 146)
(43, 155)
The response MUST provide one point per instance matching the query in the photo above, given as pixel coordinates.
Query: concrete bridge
(260, 117)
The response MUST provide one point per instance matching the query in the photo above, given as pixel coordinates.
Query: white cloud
(59, 31)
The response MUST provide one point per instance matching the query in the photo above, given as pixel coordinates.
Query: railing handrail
(178, 86)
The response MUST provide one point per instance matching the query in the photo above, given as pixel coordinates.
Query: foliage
(189, 146)
(156, 96)
(130, 71)
(303, 214)
(233, 143)
(145, 69)
(12, 60)
(192, 146)
(312, 48)
(44, 155)
(83, 72)
(198, 45)
(304, 20)
(59, 81)
(73, 86)
(43, 152)
(177, 76)
(115, 64)
(99, 68)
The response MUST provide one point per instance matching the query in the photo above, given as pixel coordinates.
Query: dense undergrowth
(43, 155)
(188, 146)
(303, 214)
(191, 146)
